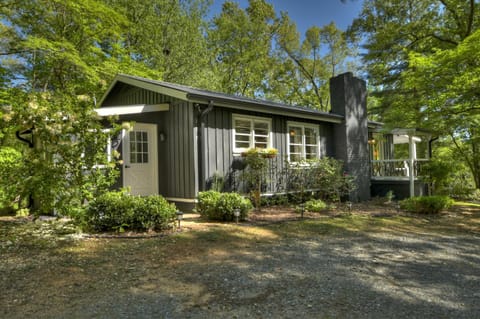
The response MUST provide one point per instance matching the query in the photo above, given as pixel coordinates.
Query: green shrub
(119, 211)
(207, 204)
(220, 206)
(426, 205)
(12, 175)
(315, 205)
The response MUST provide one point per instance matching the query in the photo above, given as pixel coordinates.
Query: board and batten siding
(220, 159)
(176, 154)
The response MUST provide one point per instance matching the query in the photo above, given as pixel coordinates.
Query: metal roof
(227, 100)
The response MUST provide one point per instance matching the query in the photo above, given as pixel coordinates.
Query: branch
(470, 17)
(469, 163)
(439, 38)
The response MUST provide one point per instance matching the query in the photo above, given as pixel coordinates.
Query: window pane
(295, 149)
(261, 126)
(261, 145)
(145, 158)
(311, 150)
(295, 158)
(242, 138)
(261, 139)
(242, 130)
(145, 147)
(242, 126)
(242, 144)
(133, 158)
(295, 134)
(310, 136)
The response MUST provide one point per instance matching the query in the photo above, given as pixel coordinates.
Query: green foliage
(67, 164)
(255, 173)
(447, 176)
(207, 204)
(423, 63)
(120, 211)
(324, 177)
(220, 206)
(315, 205)
(426, 205)
(12, 173)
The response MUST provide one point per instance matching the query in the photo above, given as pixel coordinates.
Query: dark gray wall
(219, 158)
(348, 96)
(176, 155)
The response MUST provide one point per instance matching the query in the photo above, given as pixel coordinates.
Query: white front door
(140, 173)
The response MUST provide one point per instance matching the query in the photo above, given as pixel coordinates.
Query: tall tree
(448, 85)
(321, 55)
(168, 36)
(422, 63)
(241, 41)
(57, 57)
(391, 29)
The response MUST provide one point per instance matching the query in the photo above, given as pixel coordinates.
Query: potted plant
(270, 152)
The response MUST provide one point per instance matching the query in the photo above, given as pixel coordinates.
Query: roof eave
(266, 107)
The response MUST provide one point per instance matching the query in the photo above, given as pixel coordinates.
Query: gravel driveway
(361, 275)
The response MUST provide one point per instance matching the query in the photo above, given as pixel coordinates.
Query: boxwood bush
(426, 204)
(220, 206)
(119, 211)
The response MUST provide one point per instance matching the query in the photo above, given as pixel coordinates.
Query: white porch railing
(396, 169)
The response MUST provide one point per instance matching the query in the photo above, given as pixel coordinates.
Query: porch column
(411, 163)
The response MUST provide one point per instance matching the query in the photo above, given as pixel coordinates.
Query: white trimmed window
(251, 132)
(303, 142)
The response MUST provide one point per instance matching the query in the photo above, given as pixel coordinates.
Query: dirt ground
(368, 263)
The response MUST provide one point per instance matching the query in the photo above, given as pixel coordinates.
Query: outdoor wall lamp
(236, 213)
(163, 137)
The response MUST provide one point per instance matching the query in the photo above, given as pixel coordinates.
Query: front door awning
(132, 109)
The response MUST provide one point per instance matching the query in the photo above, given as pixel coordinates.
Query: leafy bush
(315, 205)
(11, 177)
(220, 206)
(324, 176)
(207, 204)
(119, 211)
(426, 205)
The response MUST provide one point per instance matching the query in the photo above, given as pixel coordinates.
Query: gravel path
(376, 275)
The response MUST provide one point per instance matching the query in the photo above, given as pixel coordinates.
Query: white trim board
(132, 109)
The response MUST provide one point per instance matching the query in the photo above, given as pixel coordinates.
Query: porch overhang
(132, 109)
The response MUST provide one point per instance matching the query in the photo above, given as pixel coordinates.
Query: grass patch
(466, 204)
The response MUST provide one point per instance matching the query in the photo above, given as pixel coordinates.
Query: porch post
(411, 163)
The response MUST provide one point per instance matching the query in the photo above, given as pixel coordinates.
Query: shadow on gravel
(304, 269)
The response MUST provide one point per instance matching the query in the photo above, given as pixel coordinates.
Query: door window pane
(138, 147)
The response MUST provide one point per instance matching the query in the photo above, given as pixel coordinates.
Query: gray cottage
(183, 137)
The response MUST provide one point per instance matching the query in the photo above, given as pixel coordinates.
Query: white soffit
(403, 139)
(132, 109)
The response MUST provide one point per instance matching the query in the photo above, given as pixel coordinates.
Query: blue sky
(307, 13)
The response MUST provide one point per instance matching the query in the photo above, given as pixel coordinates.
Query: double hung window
(251, 132)
(303, 142)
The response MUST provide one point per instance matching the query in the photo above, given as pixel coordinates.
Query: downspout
(430, 142)
(201, 144)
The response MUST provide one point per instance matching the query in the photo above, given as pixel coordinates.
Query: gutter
(269, 107)
(201, 144)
